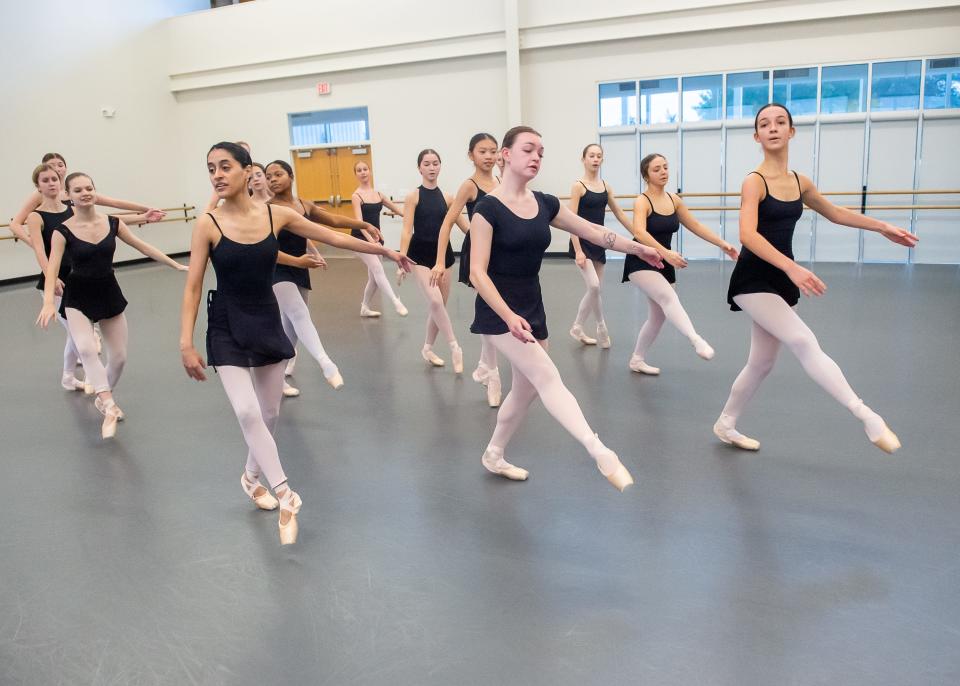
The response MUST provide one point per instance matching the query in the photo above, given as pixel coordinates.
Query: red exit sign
(323, 88)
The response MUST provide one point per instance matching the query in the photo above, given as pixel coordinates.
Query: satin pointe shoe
(494, 392)
(431, 357)
(71, 383)
(702, 348)
(290, 503)
(290, 391)
(335, 380)
(111, 415)
(456, 354)
(723, 429)
(265, 501)
(577, 334)
(493, 462)
(888, 441)
(603, 336)
(400, 308)
(367, 312)
(638, 365)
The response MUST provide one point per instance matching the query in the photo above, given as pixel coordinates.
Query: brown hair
(39, 169)
(425, 152)
(74, 175)
(756, 119)
(52, 156)
(510, 137)
(647, 161)
(592, 145)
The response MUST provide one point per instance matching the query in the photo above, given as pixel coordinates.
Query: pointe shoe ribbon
(289, 502)
(733, 437)
(494, 463)
(265, 501)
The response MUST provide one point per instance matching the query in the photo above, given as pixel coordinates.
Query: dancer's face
(60, 166)
(500, 161)
(227, 176)
(278, 180)
(48, 183)
(658, 173)
(525, 156)
(430, 167)
(258, 180)
(362, 172)
(593, 158)
(773, 129)
(484, 155)
(81, 192)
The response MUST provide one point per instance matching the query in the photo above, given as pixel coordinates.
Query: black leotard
(593, 208)
(91, 286)
(776, 220)
(295, 246)
(51, 220)
(661, 228)
(427, 220)
(516, 252)
(471, 206)
(243, 318)
(370, 212)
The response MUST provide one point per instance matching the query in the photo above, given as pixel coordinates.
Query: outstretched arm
(598, 235)
(338, 221)
(154, 253)
(688, 220)
(105, 201)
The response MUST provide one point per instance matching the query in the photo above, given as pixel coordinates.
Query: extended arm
(154, 253)
(338, 221)
(105, 201)
(692, 224)
(598, 235)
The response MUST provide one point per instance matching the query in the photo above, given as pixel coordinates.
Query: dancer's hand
(154, 215)
(182, 267)
(898, 235)
(674, 258)
(730, 251)
(374, 232)
(580, 258)
(47, 313)
(58, 289)
(647, 254)
(521, 329)
(404, 264)
(808, 282)
(311, 261)
(437, 273)
(193, 363)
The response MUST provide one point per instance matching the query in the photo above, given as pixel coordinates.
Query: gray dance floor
(818, 560)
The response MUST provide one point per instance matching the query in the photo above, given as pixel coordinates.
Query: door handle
(338, 200)
(330, 202)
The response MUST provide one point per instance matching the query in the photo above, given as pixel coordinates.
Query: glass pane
(659, 101)
(797, 89)
(348, 125)
(746, 93)
(941, 89)
(618, 104)
(844, 89)
(702, 98)
(896, 86)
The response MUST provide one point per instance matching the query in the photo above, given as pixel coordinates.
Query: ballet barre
(186, 209)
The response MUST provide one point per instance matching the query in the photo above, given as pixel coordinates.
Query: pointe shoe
(456, 354)
(638, 365)
(618, 475)
(289, 502)
(576, 332)
(367, 312)
(288, 370)
(111, 415)
(619, 478)
(888, 441)
(289, 391)
(264, 501)
(480, 374)
(401, 310)
(87, 388)
(731, 436)
(493, 388)
(335, 380)
(702, 348)
(71, 383)
(431, 357)
(493, 462)
(603, 336)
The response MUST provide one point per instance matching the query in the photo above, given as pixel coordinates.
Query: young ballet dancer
(657, 215)
(91, 293)
(511, 232)
(589, 198)
(292, 282)
(246, 343)
(423, 213)
(766, 281)
(214, 200)
(33, 201)
(482, 151)
(368, 203)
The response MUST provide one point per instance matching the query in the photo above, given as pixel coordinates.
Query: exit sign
(323, 88)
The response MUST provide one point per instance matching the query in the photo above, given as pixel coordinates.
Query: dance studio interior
(506, 343)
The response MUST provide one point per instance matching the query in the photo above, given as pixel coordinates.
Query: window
(941, 88)
(702, 98)
(747, 93)
(896, 86)
(844, 89)
(797, 89)
(618, 104)
(659, 101)
(349, 125)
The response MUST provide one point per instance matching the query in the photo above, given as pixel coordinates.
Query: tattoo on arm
(609, 238)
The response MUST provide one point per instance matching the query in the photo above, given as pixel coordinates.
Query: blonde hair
(39, 169)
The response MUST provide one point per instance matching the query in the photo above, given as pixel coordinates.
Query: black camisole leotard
(296, 246)
(370, 211)
(593, 208)
(91, 286)
(51, 220)
(776, 220)
(661, 228)
(465, 248)
(427, 219)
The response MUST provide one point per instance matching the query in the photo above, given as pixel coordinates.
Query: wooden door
(325, 175)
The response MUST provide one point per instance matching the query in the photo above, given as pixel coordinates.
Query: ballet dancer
(33, 201)
(88, 240)
(368, 210)
(423, 213)
(657, 215)
(590, 259)
(246, 343)
(766, 281)
(482, 151)
(214, 200)
(511, 232)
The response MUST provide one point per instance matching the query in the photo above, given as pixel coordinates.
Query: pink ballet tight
(591, 303)
(114, 332)
(438, 321)
(664, 305)
(297, 324)
(376, 279)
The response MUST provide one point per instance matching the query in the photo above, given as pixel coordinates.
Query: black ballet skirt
(51, 220)
(661, 228)
(427, 219)
(776, 220)
(593, 208)
(91, 286)
(516, 253)
(243, 317)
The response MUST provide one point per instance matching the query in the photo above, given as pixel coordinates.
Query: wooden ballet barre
(732, 208)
